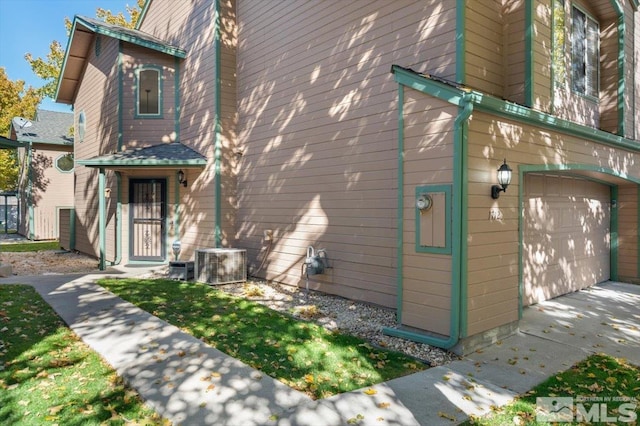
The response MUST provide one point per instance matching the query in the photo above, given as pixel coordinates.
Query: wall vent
(221, 265)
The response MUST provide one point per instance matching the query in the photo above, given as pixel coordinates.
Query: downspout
(458, 291)
(29, 196)
(118, 235)
(102, 219)
(217, 128)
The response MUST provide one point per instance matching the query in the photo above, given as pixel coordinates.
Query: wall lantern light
(504, 179)
(181, 178)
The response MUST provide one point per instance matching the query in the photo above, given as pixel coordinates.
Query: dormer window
(148, 92)
(585, 53)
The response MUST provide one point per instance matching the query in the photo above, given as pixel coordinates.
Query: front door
(147, 219)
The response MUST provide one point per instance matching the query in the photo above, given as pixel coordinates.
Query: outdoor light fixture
(504, 179)
(181, 178)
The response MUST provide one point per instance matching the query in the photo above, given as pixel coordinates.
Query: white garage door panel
(565, 237)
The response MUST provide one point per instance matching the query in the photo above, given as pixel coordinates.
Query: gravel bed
(336, 313)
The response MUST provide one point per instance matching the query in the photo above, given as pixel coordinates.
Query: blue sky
(31, 25)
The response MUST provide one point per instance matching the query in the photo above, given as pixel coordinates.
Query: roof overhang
(166, 155)
(83, 31)
(460, 95)
(6, 143)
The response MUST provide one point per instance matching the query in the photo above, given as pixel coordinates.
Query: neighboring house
(373, 130)
(45, 157)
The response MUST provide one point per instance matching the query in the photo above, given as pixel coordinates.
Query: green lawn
(599, 379)
(300, 354)
(49, 377)
(29, 246)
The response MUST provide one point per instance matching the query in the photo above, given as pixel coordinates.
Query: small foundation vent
(221, 265)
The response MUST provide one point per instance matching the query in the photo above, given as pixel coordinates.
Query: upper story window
(64, 163)
(585, 53)
(148, 97)
(82, 123)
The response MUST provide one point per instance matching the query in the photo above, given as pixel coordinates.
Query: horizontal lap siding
(542, 55)
(493, 263)
(514, 50)
(50, 189)
(484, 46)
(628, 217)
(318, 130)
(190, 25)
(428, 160)
(101, 137)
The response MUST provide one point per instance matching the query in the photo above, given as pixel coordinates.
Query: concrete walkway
(191, 383)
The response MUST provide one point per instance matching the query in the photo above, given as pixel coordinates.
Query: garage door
(565, 236)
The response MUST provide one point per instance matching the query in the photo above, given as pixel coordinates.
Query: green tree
(49, 68)
(16, 101)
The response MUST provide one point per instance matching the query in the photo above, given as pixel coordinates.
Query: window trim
(586, 93)
(64, 155)
(139, 70)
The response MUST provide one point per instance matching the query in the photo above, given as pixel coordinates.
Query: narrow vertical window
(585, 53)
(82, 120)
(559, 63)
(148, 92)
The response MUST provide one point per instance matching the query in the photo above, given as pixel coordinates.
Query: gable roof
(173, 154)
(48, 127)
(82, 34)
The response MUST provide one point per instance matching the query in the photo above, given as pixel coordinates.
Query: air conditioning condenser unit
(220, 265)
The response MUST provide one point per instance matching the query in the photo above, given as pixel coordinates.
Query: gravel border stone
(337, 313)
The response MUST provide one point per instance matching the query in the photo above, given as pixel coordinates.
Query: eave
(459, 95)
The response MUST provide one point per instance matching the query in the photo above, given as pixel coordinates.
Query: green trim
(128, 37)
(118, 258)
(150, 162)
(160, 113)
(429, 189)
(176, 209)
(528, 53)
(510, 110)
(613, 235)
(586, 167)
(526, 115)
(30, 208)
(72, 229)
(143, 14)
(218, 126)
(424, 84)
(461, 42)
(176, 97)
(55, 162)
(400, 206)
(461, 219)
(621, 68)
(120, 95)
(24, 141)
(458, 314)
(530, 168)
(102, 220)
(638, 234)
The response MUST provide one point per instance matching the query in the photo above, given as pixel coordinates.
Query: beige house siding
(485, 28)
(493, 243)
(137, 131)
(191, 26)
(50, 191)
(318, 127)
(428, 160)
(628, 243)
(542, 93)
(101, 137)
(514, 52)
